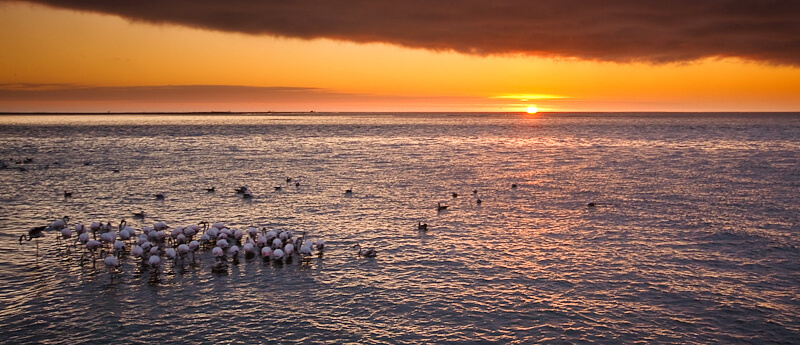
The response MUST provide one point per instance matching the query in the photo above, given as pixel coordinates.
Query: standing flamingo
(111, 263)
(34, 233)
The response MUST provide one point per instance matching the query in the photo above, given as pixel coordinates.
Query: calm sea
(695, 236)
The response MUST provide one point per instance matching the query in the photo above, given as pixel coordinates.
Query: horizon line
(2, 113)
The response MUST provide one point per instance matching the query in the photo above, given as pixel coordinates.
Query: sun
(532, 110)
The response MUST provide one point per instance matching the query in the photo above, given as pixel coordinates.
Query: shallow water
(694, 238)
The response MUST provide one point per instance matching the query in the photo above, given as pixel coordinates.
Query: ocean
(693, 236)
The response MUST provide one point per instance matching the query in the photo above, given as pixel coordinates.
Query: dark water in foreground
(695, 238)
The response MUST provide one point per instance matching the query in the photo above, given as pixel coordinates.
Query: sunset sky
(474, 55)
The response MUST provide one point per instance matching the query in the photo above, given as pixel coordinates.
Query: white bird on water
(194, 246)
(137, 251)
(59, 224)
(108, 237)
(288, 249)
(119, 246)
(154, 261)
(93, 245)
(248, 249)
(305, 249)
(368, 253)
(183, 249)
(83, 238)
(111, 263)
(171, 253)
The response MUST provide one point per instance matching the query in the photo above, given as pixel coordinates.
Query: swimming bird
(422, 226)
(277, 188)
(440, 207)
(474, 191)
(241, 189)
(369, 253)
(455, 195)
(159, 196)
(297, 184)
(67, 194)
(139, 215)
(591, 204)
(210, 190)
(348, 191)
(513, 185)
(478, 201)
(288, 179)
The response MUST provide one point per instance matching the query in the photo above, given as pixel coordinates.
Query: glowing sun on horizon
(532, 110)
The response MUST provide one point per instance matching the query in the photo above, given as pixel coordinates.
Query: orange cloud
(78, 98)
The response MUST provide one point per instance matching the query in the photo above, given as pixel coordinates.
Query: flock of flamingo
(160, 244)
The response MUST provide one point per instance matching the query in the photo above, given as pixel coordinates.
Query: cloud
(77, 98)
(158, 94)
(602, 30)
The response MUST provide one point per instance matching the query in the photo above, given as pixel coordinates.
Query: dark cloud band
(604, 30)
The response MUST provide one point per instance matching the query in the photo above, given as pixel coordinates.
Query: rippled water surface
(694, 238)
